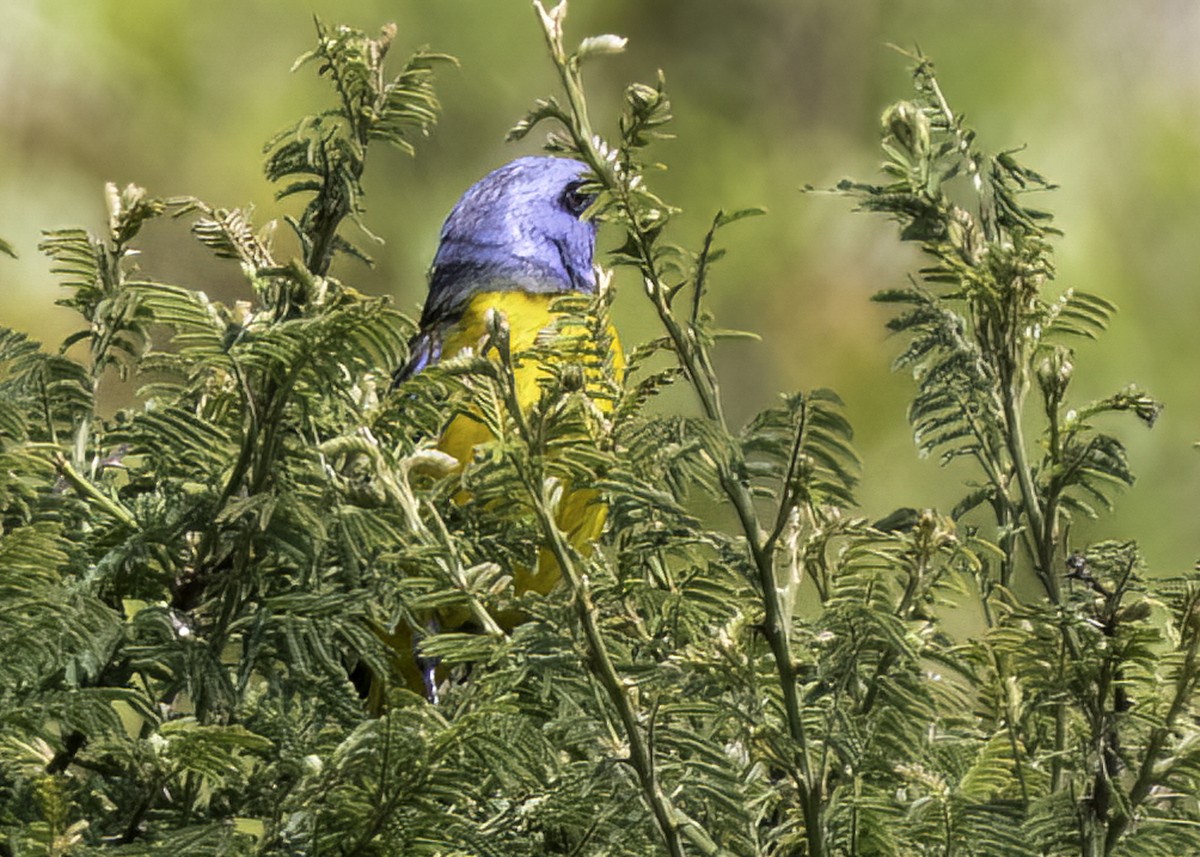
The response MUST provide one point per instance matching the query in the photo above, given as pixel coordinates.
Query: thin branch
(671, 822)
(91, 492)
(691, 355)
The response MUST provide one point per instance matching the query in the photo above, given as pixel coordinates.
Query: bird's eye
(575, 200)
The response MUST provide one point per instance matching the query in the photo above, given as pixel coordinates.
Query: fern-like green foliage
(325, 154)
(190, 587)
(983, 330)
(1061, 677)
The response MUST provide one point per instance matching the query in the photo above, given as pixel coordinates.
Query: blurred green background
(769, 95)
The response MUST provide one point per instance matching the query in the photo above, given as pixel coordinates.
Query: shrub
(188, 585)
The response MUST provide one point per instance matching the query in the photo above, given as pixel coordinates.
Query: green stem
(703, 382)
(888, 659)
(1011, 719)
(671, 822)
(1043, 546)
(1057, 779)
(737, 490)
(87, 489)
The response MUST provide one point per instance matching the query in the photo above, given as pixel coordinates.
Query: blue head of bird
(517, 228)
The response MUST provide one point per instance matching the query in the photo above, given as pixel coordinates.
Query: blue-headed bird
(514, 243)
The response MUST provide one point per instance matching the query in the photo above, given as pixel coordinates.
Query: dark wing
(423, 349)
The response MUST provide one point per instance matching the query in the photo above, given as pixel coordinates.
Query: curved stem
(671, 822)
(1043, 542)
(694, 361)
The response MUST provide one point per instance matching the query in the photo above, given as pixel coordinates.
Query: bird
(514, 242)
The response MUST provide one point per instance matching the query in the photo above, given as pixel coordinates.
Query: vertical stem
(671, 822)
(1043, 546)
(695, 364)
(1060, 728)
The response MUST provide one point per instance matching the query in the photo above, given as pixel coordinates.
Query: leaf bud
(909, 126)
(1054, 373)
(498, 330)
(594, 46)
(573, 378)
(642, 97)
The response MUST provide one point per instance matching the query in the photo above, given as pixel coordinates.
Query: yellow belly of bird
(580, 514)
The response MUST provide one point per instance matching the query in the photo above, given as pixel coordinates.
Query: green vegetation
(186, 586)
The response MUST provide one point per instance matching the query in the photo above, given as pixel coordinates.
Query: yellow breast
(529, 316)
(581, 515)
